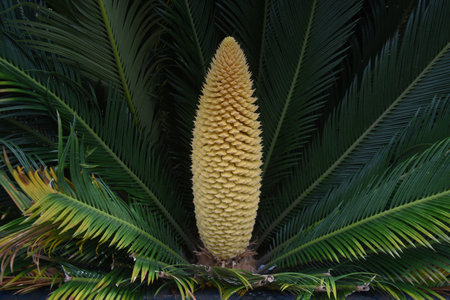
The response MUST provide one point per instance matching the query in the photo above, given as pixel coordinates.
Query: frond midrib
(162, 264)
(263, 35)
(291, 90)
(44, 139)
(106, 148)
(117, 59)
(353, 146)
(125, 223)
(197, 41)
(362, 222)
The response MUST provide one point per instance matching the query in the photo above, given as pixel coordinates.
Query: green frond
(419, 272)
(303, 43)
(237, 282)
(25, 131)
(129, 163)
(188, 24)
(95, 285)
(147, 268)
(231, 283)
(405, 206)
(429, 126)
(91, 210)
(406, 75)
(115, 225)
(146, 166)
(420, 266)
(120, 50)
(407, 291)
(190, 41)
(247, 22)
(378, 22)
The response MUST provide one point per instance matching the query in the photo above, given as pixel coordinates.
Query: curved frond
(406, 75)
(93, 210)
(404, 206)
(19, 198)
(428, 127)
(34, 136)
(32, 279)
(416, 266)
(96, 285)
(108, 40)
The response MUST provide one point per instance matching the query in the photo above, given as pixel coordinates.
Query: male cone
(226, 155)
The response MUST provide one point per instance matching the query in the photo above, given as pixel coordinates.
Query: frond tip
(227, 155)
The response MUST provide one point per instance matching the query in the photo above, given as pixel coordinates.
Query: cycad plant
(301, 146)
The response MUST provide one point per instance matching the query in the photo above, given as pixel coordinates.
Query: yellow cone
(226, 155)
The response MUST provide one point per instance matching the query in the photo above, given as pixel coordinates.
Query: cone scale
(226, 155)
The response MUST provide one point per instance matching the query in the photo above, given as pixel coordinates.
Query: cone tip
(229, 40)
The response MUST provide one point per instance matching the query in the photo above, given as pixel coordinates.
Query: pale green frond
(407, 291)
(87, 208)
(96, 285)
(92, 210)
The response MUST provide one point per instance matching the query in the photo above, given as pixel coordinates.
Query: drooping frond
(406, 75)
(32, 279)
(404, 206)
(19, 198)
(404, 291)
(21, 245)
(96, 285)
(303, 43)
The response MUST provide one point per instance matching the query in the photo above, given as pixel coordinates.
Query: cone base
(244, 261)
